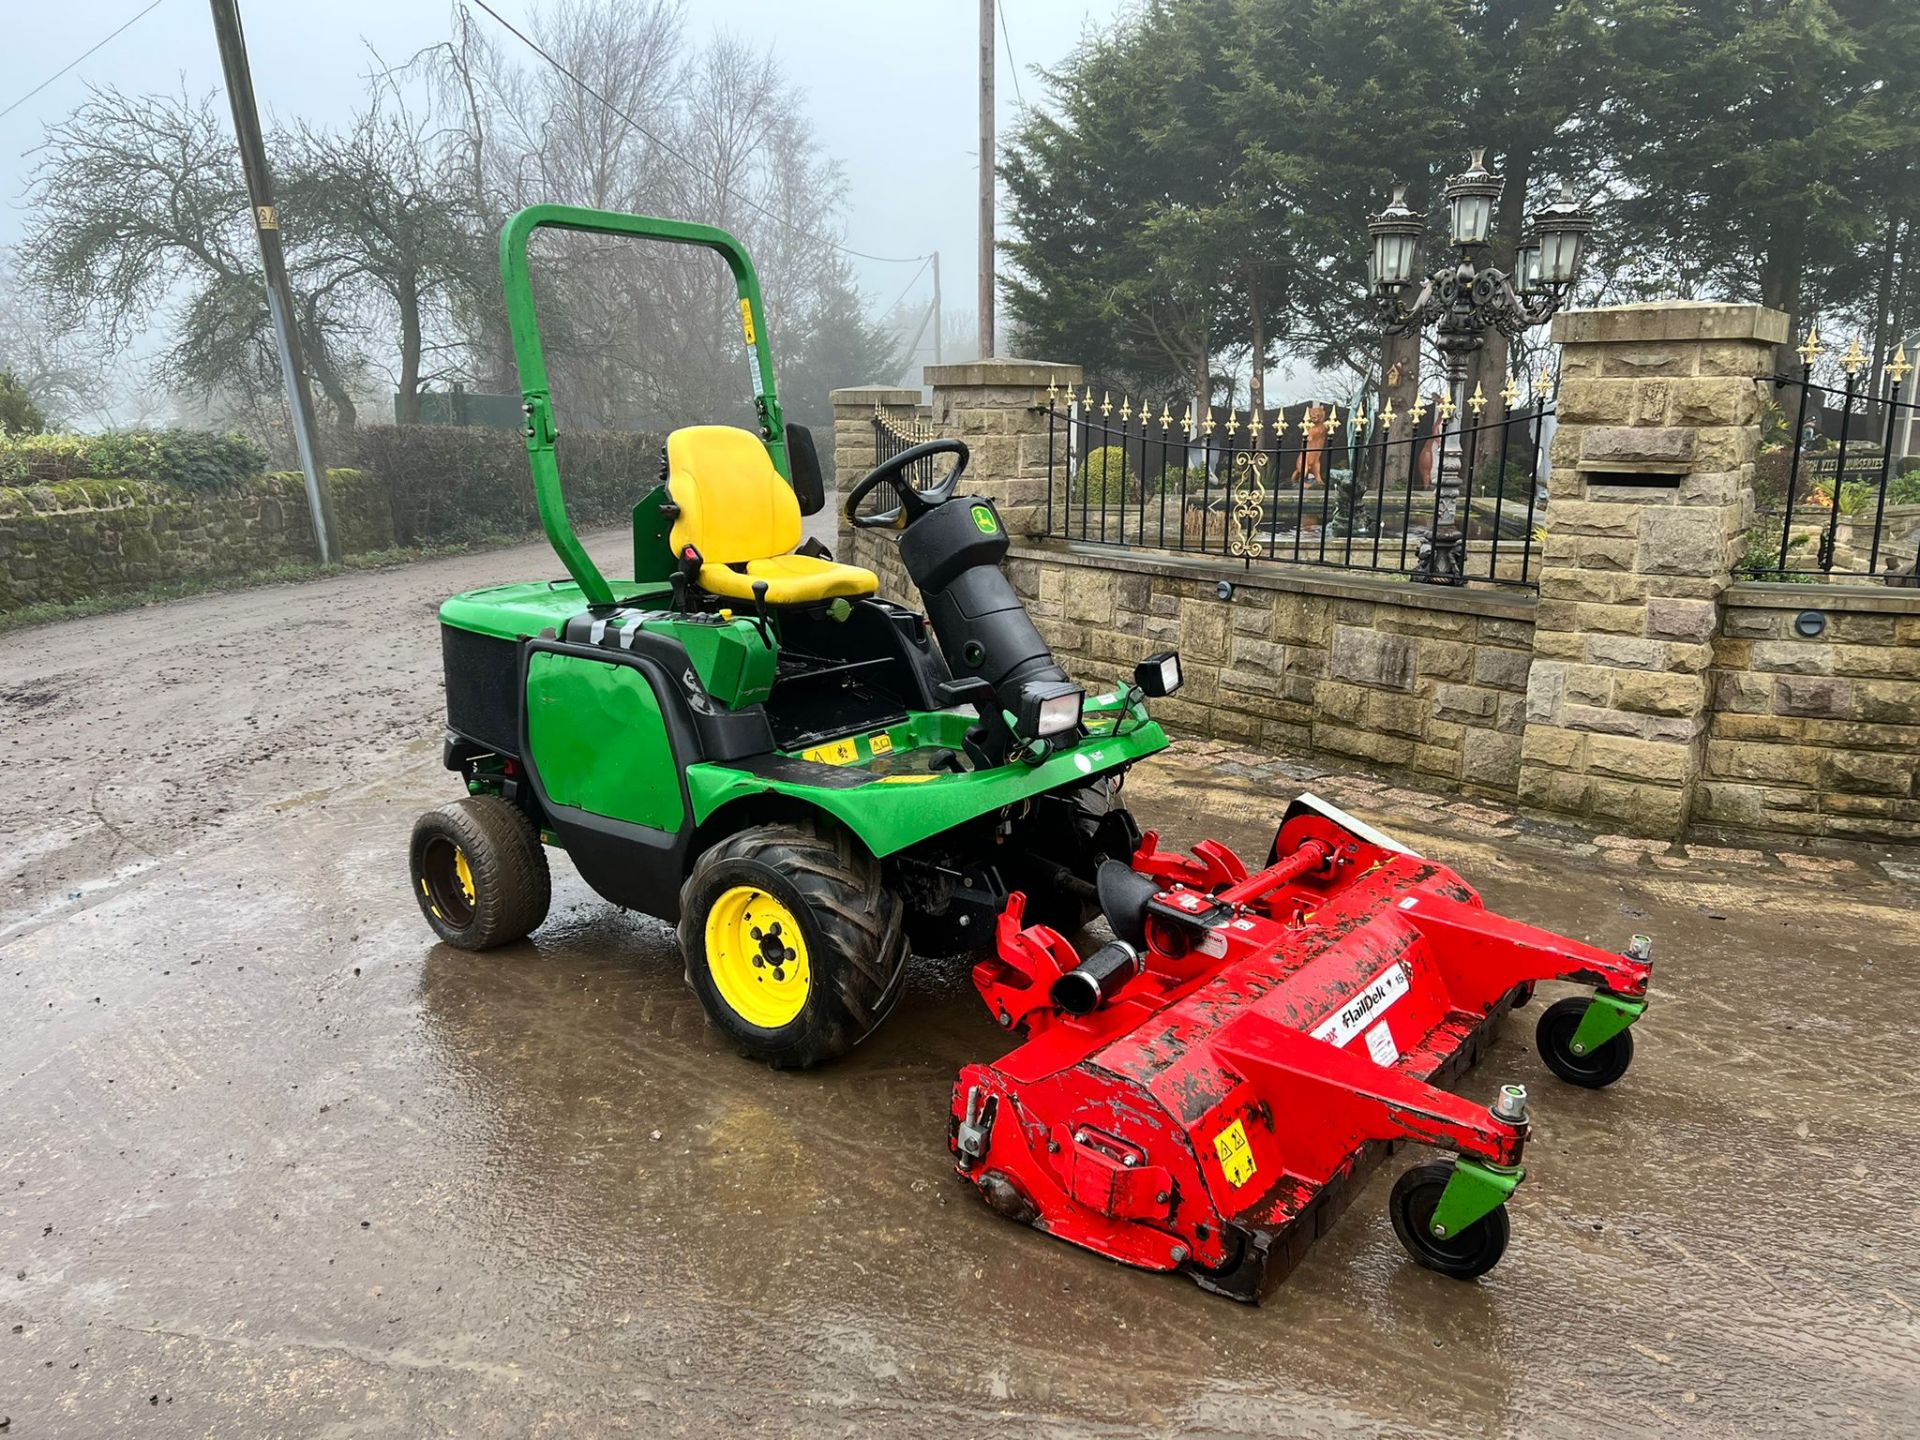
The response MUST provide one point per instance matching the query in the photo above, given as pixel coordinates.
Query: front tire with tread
(1076, 830)
(852, 923)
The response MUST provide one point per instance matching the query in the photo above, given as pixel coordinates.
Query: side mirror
(804, 461)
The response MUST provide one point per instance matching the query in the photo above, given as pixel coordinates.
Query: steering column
(953, 546)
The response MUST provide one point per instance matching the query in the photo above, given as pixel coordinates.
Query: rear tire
(479, 872)
(793, 943)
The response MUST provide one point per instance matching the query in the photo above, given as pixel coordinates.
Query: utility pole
(266, 224)
(937, 359)
(986, 178)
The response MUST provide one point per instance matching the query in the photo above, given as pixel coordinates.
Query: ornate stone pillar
(1652, 486)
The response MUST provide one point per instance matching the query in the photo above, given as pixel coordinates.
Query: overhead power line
(78, 59)
(908, 286)
(1013, 67)
(686, 159)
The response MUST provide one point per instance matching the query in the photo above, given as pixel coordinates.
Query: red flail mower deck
(1205, 1092)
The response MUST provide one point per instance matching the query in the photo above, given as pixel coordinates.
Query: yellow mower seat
(742, 517)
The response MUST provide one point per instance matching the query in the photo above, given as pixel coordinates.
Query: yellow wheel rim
(446, 882)
(757, 957)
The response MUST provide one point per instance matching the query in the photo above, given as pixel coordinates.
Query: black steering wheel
(913, 503)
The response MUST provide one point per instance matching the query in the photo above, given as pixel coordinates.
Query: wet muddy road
(272, 1163)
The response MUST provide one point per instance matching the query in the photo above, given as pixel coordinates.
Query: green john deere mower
(814, 783)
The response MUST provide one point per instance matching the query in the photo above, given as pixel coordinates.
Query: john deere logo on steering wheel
(984, 520)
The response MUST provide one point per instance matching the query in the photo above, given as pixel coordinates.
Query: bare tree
(650, 334)
(380, 227)
(64, 369)
(141, 216)
(139, 206)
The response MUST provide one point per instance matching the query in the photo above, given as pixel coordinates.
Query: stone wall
(80, 538)
(1423, 679)
(855, 451)
(1642, 690)
(1815, 734)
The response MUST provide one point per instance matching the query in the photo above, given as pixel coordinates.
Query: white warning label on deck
(1362, 1009)
(1380, 1045)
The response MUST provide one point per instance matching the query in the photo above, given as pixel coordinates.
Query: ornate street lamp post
(1462, 302)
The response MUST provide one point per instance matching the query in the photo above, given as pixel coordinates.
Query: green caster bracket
(1607, 1015)
(1474, 1190)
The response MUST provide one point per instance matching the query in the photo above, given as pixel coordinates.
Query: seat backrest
(733, 504)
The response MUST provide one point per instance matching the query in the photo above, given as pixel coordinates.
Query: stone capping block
(1670, 320)
(1862, 599)
(1003, 370)
(867, 396)
(1276, 576)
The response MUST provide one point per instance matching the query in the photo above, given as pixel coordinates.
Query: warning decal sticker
(1236, 1156)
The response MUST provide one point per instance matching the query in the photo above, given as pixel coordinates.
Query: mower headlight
(1049, 708)
(1158, 675)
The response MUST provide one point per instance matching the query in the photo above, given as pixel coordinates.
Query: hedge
(448, 483)
(186, 459)
(454, 483)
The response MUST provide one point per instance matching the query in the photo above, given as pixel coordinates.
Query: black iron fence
(891, 435)
(1838, 499)
(1303, 485)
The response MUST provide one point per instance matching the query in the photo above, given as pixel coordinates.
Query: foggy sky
(891, 88)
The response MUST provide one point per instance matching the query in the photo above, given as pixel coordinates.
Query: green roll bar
(536, 397)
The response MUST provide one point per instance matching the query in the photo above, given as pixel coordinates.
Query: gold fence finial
(1899, 366)
(1478, 400)
(1106, 403)
(1855, 360)
(1186, 420)
(1333, 418)
(1233, 422)
(1053, 392)
(1810, 348)
(1126, 409)
(1088, 399)
(1510, 392)
(1166, 415)
(1206, 424)
(1447, 407)
(1358, 424)
(1387, 416)
(1253, 425)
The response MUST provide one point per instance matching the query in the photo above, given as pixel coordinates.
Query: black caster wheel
(1596, 1069)
(1472, 1252)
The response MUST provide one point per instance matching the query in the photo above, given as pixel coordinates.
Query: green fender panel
(600, 742)
(902, 809)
